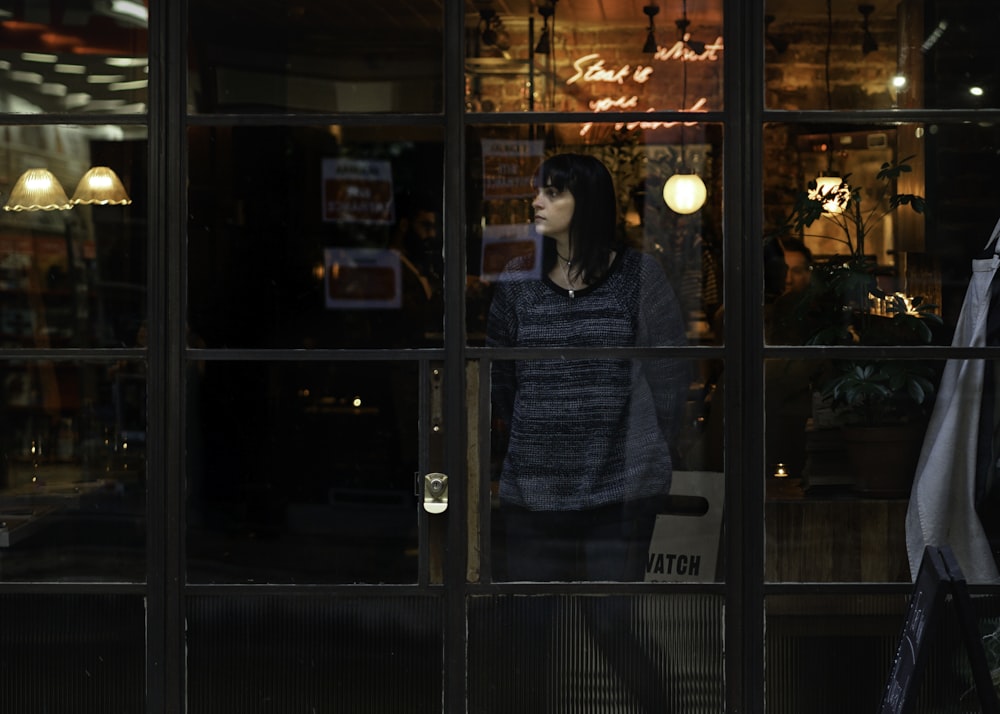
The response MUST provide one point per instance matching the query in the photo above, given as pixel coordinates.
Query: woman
(589, 455)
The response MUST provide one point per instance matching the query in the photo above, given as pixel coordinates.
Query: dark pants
(605, 544)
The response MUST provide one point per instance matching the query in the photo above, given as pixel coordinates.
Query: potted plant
(881, 404)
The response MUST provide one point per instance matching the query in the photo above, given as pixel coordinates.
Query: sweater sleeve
(501, 331)
(661, 324)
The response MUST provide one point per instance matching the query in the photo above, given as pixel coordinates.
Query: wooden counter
(834, 538)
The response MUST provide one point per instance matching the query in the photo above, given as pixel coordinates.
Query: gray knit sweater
(585, 433)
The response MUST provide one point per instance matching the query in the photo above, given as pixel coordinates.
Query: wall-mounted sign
(504, 244)
(508, 166)
(592, 69)
(362, 279)
(357, 191)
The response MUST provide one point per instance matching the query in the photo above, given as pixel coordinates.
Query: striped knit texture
(586, 433)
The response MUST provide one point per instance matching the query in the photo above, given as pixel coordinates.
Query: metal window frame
(743, 117)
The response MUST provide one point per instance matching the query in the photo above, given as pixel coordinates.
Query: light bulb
(684, 192)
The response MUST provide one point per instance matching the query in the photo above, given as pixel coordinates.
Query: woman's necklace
(566, 264)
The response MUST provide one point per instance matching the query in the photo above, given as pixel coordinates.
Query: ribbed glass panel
(306, 653)
(608, 654)
(72, 653)
(829, 654)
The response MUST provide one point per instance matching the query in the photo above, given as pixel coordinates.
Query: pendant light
(37, 190)
(650, 47)
(832, 190)
(829, 186)
(684, 192)
(100, 186)
(544, 46)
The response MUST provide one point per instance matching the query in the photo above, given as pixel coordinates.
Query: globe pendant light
(832, 191)
(684, 192)
(830, 188)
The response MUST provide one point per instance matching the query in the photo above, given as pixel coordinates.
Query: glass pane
(316, 56)
(315, 236)
(314, 653)
(74, 57)
(815, 643)
(607, 470)
(650, 653)
(915, 54)
(93, 645)
(302, 472)
(72, 254)
(73, 475)
(843, 439)
(885, 256)
(683, 236)
(594, 56)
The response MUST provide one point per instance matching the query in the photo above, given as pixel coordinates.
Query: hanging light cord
(684, 88)
(829, 92)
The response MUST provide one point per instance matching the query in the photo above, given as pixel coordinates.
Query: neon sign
(591, 68)
(682, 52)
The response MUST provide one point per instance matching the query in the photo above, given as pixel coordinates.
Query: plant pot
(883, 458)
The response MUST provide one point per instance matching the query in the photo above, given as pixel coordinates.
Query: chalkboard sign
(938, 577)
(922, 618)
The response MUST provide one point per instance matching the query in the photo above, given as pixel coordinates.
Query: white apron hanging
(942, 508)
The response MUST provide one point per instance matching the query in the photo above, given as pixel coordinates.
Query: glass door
(314, 351)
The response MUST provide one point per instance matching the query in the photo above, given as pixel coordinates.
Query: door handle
(435, 493)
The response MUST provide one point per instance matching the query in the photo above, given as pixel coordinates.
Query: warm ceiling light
(19, 26)
(650, 47)
(76, 100)
(684, 192)
(100, 186)
(39, 57)
(868, 42)
(105, 78)
(37, 190)
(26, 77)
(779, 43)
(126, 61)
(54, 89)
(126, 86)
(544, 45)
(57, 40)
(129, 8)
(833, 192)
(976, 91)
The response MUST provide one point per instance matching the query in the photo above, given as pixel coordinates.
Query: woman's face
(553, 212)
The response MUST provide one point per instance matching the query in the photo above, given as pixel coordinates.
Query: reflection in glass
(594, 56)
(93, 644)
(321, 56)
(923, 54)
(933, 54)
(842, 441)
(814, 643)
(302, 472)
(72, 268)
(641, 159)
(542, 543)
(72, 484)
(893, 267)
(87, 58)
(316, 236)
(645, 653)
(316, 651)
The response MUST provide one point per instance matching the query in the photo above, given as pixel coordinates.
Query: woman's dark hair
(592, 230)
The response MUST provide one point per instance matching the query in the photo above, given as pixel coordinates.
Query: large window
(259, 350)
